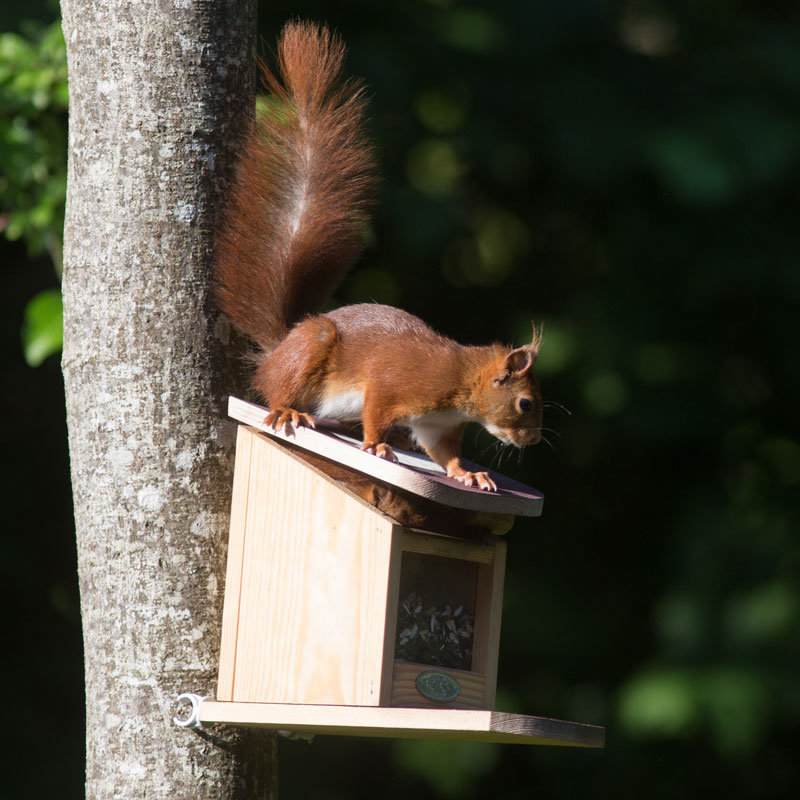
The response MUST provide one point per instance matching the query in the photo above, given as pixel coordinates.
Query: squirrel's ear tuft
(536, 339)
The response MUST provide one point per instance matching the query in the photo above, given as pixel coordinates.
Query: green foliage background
(627, 173)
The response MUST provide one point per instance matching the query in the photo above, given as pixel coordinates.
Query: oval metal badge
(438, 686)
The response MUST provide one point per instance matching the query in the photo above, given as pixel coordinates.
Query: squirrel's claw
(485, 482)
(479, 479)
(287, 419)
(381, 450)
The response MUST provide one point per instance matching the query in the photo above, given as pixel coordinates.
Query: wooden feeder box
(364, 597)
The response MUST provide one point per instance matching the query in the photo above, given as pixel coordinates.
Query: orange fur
(291, 233)
(294, 225)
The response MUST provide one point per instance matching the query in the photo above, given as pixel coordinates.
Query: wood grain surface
(406, 695)
(416, 723)
(308, 607)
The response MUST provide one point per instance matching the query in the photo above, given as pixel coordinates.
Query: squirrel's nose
(526, 436)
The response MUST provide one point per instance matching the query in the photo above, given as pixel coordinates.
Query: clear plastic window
(436, 611)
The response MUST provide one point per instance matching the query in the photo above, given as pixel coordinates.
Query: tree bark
(159, 90)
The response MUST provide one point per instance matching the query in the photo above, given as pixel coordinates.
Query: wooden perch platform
(415, 473)
(406, 723)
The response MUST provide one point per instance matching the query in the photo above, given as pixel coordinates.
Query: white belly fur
(346, 406)
(428, 430)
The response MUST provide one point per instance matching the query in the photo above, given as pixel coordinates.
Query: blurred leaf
(726, 703)
(659, 702)
(783, 457)
(735, 701)
(472, 29)
(559, 349)
(440, 110)
(450, 767)
(501, 239)
(434, 167)
(692, 168)
(33, 102)
(42, 332)
(606, 393)
(765, 614)
(681, 622)
(648, 31)
(665, 362)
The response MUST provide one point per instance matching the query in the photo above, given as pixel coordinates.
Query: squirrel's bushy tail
(298, 206)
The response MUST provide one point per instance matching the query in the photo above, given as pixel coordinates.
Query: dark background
(627, 174)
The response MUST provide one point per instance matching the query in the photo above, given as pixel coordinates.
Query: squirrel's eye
(524, 404)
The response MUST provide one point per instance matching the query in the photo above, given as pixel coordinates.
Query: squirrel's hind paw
(287, 418)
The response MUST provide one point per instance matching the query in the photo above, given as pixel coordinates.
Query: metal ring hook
(193, 721)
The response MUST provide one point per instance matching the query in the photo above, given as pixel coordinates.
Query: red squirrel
(293, 228)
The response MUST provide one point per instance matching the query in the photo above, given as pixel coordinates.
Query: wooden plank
(415, 473)
(314, 588)
(406, 695)
(433, 545)
(392, 602)
(488, 618)
(233, 577)
(415, 723)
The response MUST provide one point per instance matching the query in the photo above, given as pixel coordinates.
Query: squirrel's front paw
(287, 418)
(479, 479)
(380, 449)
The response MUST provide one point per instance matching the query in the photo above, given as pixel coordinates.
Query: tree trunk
(158, 93)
